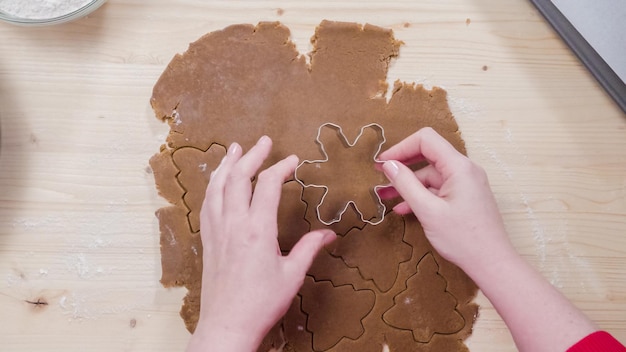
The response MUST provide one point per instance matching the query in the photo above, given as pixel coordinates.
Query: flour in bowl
(40, 9)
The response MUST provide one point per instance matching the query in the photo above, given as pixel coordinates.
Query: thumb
(414, 193)
(303, 253)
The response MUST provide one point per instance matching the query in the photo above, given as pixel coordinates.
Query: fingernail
(264, 140)
(329, 236)
(293, 157)
(391, 169)
(232, 149)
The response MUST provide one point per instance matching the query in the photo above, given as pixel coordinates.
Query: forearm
(539, 317)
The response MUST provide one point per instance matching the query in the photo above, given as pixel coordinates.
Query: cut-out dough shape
(195, 170)
(344, 306)
(377, 253)
(300, 339)
(348, 189)
(424, 320)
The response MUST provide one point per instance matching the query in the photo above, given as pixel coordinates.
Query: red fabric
(599, 341)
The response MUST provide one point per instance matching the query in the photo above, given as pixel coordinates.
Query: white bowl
(70, 16)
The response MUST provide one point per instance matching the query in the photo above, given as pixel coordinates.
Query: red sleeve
(599, 341)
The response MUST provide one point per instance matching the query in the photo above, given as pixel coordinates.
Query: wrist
(221, 337)
(484, 262)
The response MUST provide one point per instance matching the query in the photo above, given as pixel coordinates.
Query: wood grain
(77, 228)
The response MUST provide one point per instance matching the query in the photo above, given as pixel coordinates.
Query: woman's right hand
(451, 198)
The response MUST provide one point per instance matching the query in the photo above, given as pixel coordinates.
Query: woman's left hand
(247, 285)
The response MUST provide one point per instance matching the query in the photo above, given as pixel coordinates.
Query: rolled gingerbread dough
(376, 285)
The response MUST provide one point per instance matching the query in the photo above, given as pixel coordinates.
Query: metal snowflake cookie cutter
(381, 206)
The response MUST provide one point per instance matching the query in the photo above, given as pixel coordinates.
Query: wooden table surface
(77, 200)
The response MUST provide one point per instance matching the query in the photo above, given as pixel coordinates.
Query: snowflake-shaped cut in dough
(336, 174)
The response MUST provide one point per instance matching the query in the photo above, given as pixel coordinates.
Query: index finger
(238, 188)
(425, 144)
(268, 189)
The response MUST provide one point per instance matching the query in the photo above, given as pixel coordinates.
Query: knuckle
(427, 130)
(480, 172)
(465, 165)
(470, 168)
(236, 174)
(481, 175)
(477, 171)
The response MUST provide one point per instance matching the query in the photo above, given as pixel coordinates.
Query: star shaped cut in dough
(336, 174)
